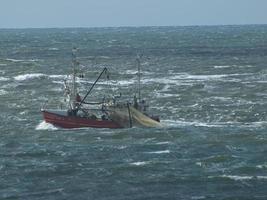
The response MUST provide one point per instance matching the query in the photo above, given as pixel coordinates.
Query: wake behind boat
(109, 113)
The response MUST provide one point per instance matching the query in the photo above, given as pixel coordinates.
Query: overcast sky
(109, 13)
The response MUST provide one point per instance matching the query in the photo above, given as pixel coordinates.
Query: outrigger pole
(89, 91)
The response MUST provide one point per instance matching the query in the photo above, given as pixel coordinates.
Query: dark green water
(208, 84)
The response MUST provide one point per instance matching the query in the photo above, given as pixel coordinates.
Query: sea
(208, 85)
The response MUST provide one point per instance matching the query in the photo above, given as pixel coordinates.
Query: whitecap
(224, 99)
(3, 92)
(24, 77)
(53, 49)
(241, 178)
(140, 163)
(202, 77)
(45, 126)
(198, 197)
(4, 79)
(187, 79)
(162, 143)
(122, 82)
(159, 152)
(58, 76)
(14, 60)
(177, 123)
(130, 71)
(221, 66)
(264, 166)
(17, 60)
(165, 95)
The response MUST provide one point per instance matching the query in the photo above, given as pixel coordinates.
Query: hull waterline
(65, 121)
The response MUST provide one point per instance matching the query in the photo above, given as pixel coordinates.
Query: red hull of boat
(76, 122)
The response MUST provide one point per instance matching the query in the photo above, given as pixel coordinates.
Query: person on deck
(78, 98)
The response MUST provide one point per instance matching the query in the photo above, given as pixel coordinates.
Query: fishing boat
(109, 113)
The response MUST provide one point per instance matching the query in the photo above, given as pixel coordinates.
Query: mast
(74, 84)
(138, 60)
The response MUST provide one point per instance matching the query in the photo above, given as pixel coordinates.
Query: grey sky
(106, 13)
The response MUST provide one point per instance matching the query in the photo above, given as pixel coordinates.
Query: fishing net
(128, 116)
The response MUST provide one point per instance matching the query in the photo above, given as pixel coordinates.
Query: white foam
(4, 79)
(45, 126)
(141, 163)
(14, 60)
(159, 152)
(241, 178)
(135, 72)
(17, 60)
(24, 77)
(58, 76)
(184, 79)
(198, 197)
(53, 49)
(189, 79)
(202, 77)
(177, 123)
(123, 82)
(161, 143)
(3, 92)
(225, 99)
(264, 166)
(221, 66)
(131, 71)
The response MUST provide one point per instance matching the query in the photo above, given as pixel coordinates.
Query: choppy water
(208, 84)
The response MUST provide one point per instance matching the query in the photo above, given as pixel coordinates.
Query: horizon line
(130, 26)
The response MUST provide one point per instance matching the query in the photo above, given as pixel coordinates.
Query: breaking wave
(24, 77)
(3, 92)
(45, 126)
(141, 163)
(177, 123)
(241, 178)
(4, 79)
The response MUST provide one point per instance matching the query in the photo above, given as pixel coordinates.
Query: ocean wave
(177, 123)
(162, 143)
(221, 66)
(14, 60)
(4, 79)
(18, 60)
(140, 163)
(53, 49)
(202, 77)
(263, 166)
(24, 77)
(189, 79)
(45, 126)
(135, 72)
(240, 178)
(159, 152)
(183, 79)
(58, 76)
(165, 95)
(122, 82)
(3, 92)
